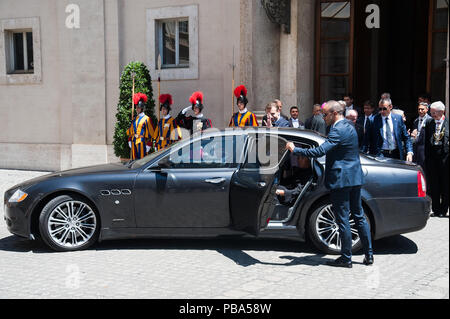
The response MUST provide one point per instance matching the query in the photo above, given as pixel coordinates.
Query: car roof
(295, 132)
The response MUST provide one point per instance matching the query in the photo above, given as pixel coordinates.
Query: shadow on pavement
(232, 248)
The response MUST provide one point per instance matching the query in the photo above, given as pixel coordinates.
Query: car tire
(323, 230)
(69, 223)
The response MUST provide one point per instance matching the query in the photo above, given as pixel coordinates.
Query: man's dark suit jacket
(419, 143)
(316, 123)
(374, 139)
(360, 131)
(342, 165)
(430, 150)
(300, 123)
(282, 122)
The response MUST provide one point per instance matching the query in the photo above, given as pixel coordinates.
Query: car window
(209, 152)
(265, 152)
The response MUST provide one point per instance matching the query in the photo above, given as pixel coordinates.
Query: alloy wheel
(327, 229)
(72, 224)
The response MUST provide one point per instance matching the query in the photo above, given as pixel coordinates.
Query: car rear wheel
(68, 223)
(323, 230)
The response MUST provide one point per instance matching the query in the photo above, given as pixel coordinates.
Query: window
(172, 33)
(173, 37)
(19, 51)
(209, 152)
(437, 49)
(265, 153)
(20, 59)
(334, 45)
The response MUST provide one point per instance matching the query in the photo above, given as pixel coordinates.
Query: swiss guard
(197, 122)
(167, 131)
(141, 130)
(244, 117)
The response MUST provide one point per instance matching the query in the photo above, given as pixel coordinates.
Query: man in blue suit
(344, 178)
(387, 135)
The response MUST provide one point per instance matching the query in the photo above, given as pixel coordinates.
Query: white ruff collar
(243, 111)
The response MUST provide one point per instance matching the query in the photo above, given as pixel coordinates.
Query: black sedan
(217, 183)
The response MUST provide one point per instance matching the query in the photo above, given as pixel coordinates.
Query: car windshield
(148, 158)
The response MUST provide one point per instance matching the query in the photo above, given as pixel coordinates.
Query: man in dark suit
(436, 158)
(418, 134)
(294, 121)
(316, 121)
(352, 116)
(275, 117)
(365, 119)
(387, 133)
(348, 99)
(344, 178)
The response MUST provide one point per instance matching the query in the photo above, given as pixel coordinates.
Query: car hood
(90, 170)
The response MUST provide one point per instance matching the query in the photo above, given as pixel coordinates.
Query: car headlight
(18, 196)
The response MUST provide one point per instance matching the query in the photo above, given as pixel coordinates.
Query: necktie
(366, 125)
(389, 137)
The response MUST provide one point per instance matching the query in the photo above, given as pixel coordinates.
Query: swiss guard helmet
(197, 100)
(139, 100)
(241, 94)
(166, 101)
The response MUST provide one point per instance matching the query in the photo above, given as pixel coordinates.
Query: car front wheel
(68, 223)
(323, 230)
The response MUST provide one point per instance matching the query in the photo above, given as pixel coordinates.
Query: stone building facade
(61, 60)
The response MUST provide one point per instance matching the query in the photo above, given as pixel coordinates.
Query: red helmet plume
(166, 98)
(196, 97)
(240, 90)
(139, 97)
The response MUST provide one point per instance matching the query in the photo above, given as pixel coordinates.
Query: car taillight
(421, 185)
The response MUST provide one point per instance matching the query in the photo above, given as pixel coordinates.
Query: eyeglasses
(382, 108)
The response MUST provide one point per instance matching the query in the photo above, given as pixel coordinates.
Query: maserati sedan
(215, 183)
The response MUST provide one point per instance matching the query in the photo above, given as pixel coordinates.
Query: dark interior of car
(296, 177)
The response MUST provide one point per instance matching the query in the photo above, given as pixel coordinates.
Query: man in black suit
(316, 121)
(418, 134)
(436, 158)
(294, 121)
(365, 119)
(348, 99)
(352, 116)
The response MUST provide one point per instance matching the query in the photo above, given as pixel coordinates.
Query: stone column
(289, 48)
(305, 26)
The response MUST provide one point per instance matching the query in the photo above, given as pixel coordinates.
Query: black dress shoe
(368, 260)
(340, 262)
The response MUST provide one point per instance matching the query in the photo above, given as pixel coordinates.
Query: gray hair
(424, 104)
(438, 106)
(384, 101)
(352, 112)
(336, 107)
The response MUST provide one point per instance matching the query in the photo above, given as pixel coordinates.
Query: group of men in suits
(385, 135)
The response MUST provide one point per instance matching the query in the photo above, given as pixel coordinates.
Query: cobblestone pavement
(413, 265)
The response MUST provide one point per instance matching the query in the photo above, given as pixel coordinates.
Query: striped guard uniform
(167, 132)
(243, 119)
(142, 127)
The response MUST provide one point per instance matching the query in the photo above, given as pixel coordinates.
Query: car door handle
(215, 180)
(262, 184)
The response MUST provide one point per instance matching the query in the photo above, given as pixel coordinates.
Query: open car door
(253, 186)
